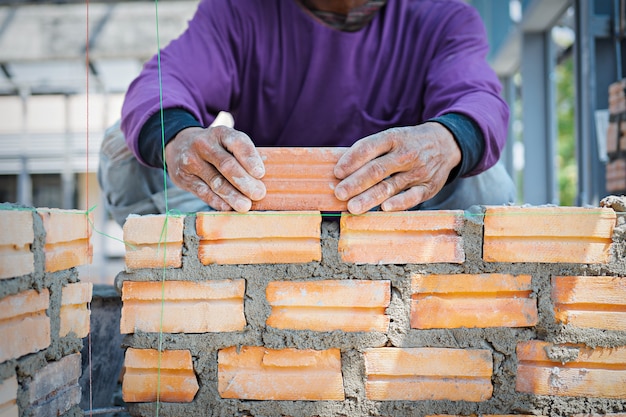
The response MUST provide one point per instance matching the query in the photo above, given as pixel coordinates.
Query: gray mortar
(501, 342)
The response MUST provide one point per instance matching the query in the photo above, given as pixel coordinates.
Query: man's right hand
(218, 164)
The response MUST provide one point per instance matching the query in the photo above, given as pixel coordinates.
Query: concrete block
(548, 234)
(154, 241)
(209, 306)
(347, 305)
(168, 376)
(16, 258)
(462, 300)
(54, 389)
(74, 313)
(67, 243)
(259, 237)
(24, 325)
(8, 397)
(402, 237)
(415, 374)
(258, 373)
(569, 370)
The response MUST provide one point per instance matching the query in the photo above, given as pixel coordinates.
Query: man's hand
(397, 168)
(218, 164)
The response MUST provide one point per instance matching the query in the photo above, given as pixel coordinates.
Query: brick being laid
(590, 302)
(402, 237)
(8, 397)
(465, 300)
(258, 373)
(259, 237)
(300, 179)
(54, 388)
(328, 305)
(24, 325)
(168, 376)
(16, 258)
(67, 242)
(415, 374)
(208, 306)
(154, 241)
(571, 370)
(548, 234)
(74, 313)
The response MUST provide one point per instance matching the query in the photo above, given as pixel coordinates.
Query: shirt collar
(356, 19)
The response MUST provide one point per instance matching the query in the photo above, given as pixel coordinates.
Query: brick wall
(43, 310)
(616, 139)
(491, 311)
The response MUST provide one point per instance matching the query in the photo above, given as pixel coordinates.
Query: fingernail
(354, 207)
(258, 193)
(341, 194)
(243, 205)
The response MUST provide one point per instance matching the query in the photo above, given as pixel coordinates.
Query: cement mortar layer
(500, 341)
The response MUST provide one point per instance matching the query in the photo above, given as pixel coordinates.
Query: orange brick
(611, 137)
(257, 373)
(616, 175)
(24, 325)
(548, 234)
(154, 241)
(348, 305)
(209, 306)
(74, 313)
(68, 234)
(16, 258)
(259, 237)
(8, 398)
(486, 300)
(598, 302)
(300, 179)
(599, 372)
(415, 374)
(172, 374)
(401, 237)
(54, 389)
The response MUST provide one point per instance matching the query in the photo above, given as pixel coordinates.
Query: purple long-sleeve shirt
(290, 80)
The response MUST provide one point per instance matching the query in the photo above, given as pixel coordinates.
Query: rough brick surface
(171, 374)
(616, 175)
(598, 302)
(259, 237)
(68, 234)
(575, 371)
(401, 237)
(24, 325)
(8, 398)
(486, 300)
(16, 258)
(258, 373)
(74, 313)
(54, 389)
(548, 234)
(415, 374)
(154, 241)
(300, 179)
(349, 305)
(210, 306)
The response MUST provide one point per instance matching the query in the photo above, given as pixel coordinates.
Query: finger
(203, 191)
(361, 153)
(370, 174)
(223, 189)
(242, 147)
(407, 199)
(376, 194)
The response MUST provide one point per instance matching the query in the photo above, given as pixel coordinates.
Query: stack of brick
(43, 310)
(616, 139)
(490, 311)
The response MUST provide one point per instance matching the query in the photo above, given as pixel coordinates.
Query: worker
(404, 84)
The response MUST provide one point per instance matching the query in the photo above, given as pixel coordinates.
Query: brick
(616, 175)
(24, 325)
(402, 237)
(415, 374)
(548, 234)
(151, 242)
(599, 372)
(16, 258)
(173, 375)
(54, 388)
(300, 179)
(67, 243)
(8, 398)
(74, 313)
(347, 305)
(485, 300)
(257, 373)
(209, 306)
(596, 302)
(259, 237)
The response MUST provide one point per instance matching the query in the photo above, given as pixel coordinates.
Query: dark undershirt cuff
(470, 139)
(174, 120)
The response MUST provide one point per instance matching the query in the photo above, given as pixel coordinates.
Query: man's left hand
(397, 168)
